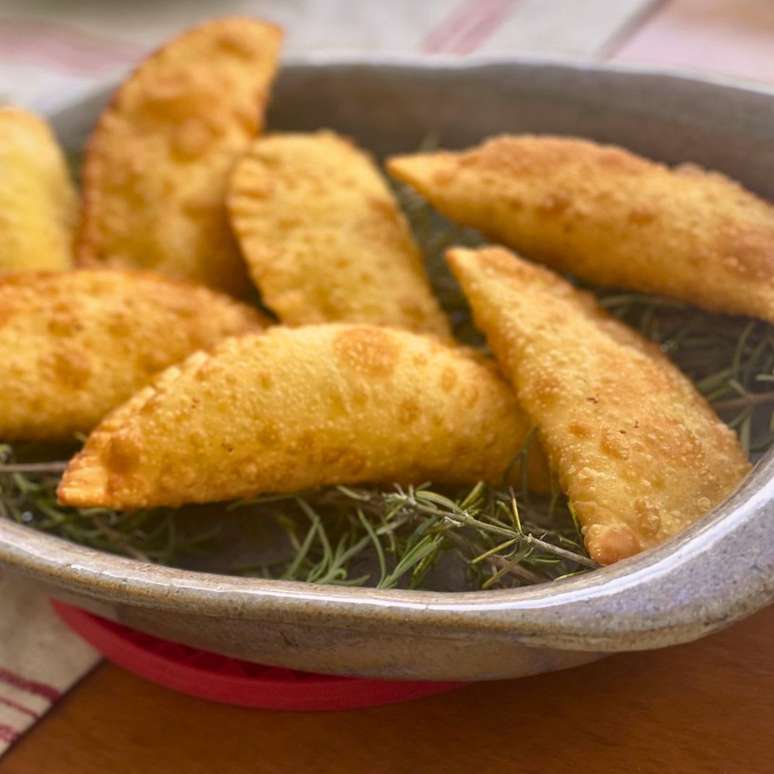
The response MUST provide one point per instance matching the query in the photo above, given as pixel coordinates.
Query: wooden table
(703, 707)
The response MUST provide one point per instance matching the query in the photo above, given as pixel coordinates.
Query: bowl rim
(321, 59)
(634, 604)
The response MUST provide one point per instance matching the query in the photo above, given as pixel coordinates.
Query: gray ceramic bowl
(719, 571)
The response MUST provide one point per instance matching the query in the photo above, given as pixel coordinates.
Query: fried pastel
(157, 164)
(639, 452)
(298, 408)
(610, 217)
(74, 345)
(38, 203)
(324, 238)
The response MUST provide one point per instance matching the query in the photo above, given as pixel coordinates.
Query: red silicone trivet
(231, 681)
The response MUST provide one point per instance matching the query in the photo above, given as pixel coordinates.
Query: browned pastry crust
(610, 217)
(76, 344)
(298, 408)
(324, 238)
(38, 203)
(157, 164)
(639, 452)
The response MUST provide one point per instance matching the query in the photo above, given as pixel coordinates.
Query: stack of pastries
(126, 314)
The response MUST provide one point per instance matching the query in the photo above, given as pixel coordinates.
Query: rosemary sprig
(398, 536)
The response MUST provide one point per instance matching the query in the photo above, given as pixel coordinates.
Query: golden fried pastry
(38, 204)
(610, 217)
(324, 238)
(75, 345)
(157, 165)
(299, 408)
(639, 452)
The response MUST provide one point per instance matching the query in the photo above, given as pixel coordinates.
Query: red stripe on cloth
(477, 33)
(31, 686)
(34, 42)
(7, 734)
(18, 707)
(441, 37)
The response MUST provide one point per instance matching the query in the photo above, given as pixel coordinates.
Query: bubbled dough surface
(324, 238)
(610, 216)
(639, 452)
(157, 165)
(38, 203)
(299, 408)
(74, 345)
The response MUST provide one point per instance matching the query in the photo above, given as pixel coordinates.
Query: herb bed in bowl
(414, 537)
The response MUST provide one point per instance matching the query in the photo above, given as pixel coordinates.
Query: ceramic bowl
(717, 572)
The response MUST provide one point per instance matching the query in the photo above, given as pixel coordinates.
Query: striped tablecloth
(39, 658)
